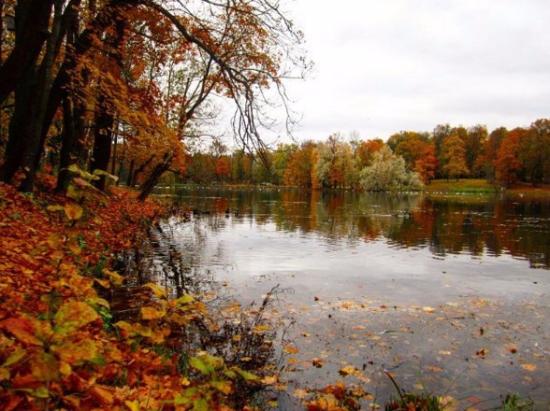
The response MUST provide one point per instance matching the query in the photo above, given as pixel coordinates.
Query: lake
(449, 294)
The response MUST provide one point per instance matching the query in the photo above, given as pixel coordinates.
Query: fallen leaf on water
(291, 349)
(529, 367)
(512, 348)
(300, 393)
(317, 362)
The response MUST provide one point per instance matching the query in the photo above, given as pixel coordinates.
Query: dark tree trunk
(20, 74)
(148, 186)
(102, 142)
(130, 174)
(32, 18)
(103, 137)
(139, 170)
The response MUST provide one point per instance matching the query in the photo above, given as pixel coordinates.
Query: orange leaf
(22, 328)
(73, 211)
(151, 313)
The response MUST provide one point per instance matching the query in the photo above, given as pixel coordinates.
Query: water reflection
(474, 225)
(358, 272)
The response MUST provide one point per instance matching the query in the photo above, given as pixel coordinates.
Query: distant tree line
(407, 160)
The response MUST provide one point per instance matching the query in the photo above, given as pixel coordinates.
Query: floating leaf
(290, 349)
(529, 367)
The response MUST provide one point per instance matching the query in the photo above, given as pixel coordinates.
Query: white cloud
(385, 66)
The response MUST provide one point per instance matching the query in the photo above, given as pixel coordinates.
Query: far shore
(467, 186)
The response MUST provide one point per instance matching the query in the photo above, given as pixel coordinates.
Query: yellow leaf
(76, 353)
(300, 393)
(44, 366)
(65, 369)
(132, 405)
(151, 313)
(428, 310)
(157, 290)
(270, 380)
(222, 386)
(348, 370)
(73, 211)
(73, 315)
(290, 349)
(115, 278)
(15, 357)
(98, 301)
(261, 328)
(4, 374)
(102, 282)
(448, 403)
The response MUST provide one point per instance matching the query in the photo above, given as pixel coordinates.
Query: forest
(407, 160)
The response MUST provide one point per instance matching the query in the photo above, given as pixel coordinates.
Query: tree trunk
(154, 177)
(105, 116)
(102, 142)
(20, 74)
(32, 18)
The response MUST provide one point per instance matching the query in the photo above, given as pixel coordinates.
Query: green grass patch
(466, 186)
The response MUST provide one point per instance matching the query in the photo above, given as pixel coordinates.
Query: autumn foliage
(60, 346)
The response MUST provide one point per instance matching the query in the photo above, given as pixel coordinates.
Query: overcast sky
(387, 65)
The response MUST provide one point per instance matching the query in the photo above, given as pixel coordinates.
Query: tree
(426, 162)
(486, 161)
(335, 166)
(454, 156)
(476, 140)
(507, 163)
(534, 152)
(364, 152)
(388, 173)
(300, 165)
(118, 71)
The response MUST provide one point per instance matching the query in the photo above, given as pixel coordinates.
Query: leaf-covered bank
(61, 346)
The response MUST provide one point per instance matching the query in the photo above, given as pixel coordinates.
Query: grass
(469, 186)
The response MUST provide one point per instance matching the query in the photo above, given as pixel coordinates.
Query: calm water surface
(437, 291)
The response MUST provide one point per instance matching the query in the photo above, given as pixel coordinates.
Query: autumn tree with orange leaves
(135, 75)
(507, 162)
